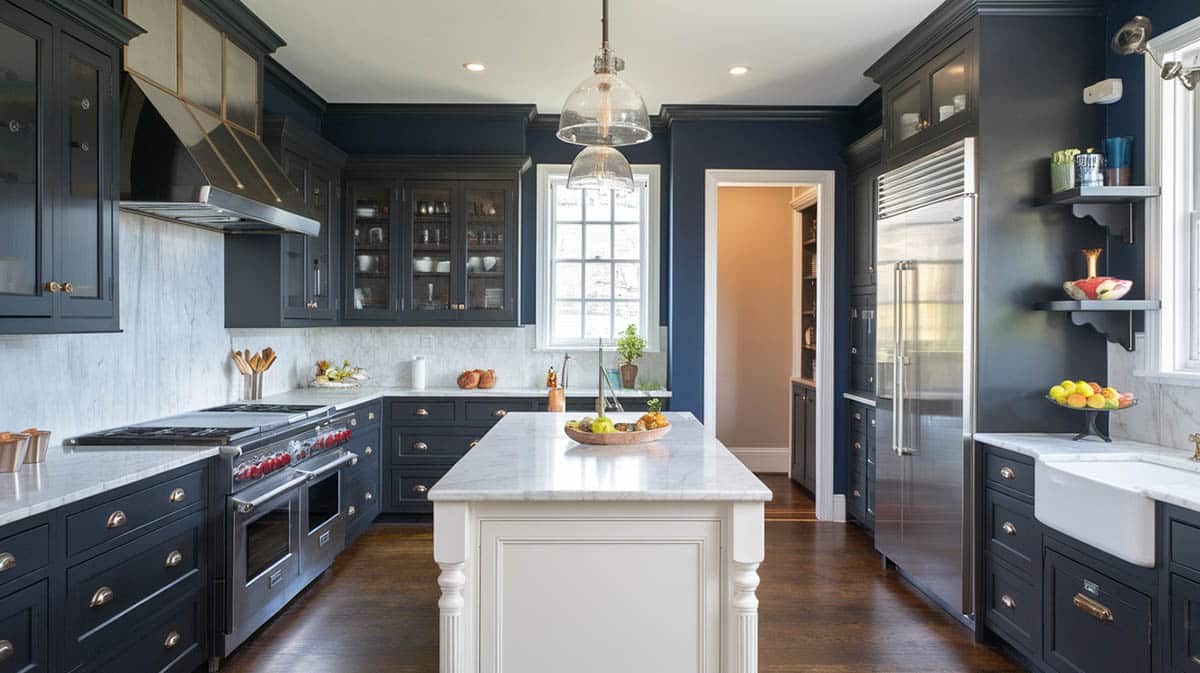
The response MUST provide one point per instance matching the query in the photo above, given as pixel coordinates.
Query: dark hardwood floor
(825, 606)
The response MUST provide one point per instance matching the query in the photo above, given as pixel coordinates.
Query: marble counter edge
(594, 496)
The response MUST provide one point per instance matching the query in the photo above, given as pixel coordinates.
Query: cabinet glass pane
(320, 262)
(18, 162)
(485, 218)
(80, 218)
(906, 112)
(432, 255)
(949, 89)
(372, 236)
(295, 259)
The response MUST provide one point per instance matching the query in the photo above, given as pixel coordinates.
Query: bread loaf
(468, 379)
(487, 379)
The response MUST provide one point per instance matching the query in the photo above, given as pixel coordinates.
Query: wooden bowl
(616, 438)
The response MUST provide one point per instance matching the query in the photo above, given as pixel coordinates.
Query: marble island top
(1183, 491)
(527, 457)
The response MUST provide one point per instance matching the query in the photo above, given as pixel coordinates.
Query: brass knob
(53, 286)
(420, 446)
(857, 416)
(354, 422)
(177, 495)
(370, 415)
(353, 460)
(1008, 601)
(474, 443)
(854, 351)
(420, 488)
(1009, 528)
(173, 559)
(871, 268)
(351, 510)
(117, 519)
(858, 445)
(368, 496)
(172, 639)
(103, 596)
(68, 287)
(872, 422)
(7, 561)
(923, 124)
(368, 450)
(1007, 472)
(857, 493)
(500, 413)
(6, 649)
(421, 412)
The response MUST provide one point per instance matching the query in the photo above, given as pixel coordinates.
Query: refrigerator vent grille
(936, 177)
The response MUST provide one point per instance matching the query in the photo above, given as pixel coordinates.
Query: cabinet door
(371, 249)
(323, 192)
(24, 630)
(905, 110)
(434, 264)
(810, 439)
(797, 436)
(1185, 625)
(862, 231)
(25, 236)
(949, 78)
(489, 229)
(294, 247)
(84, 223)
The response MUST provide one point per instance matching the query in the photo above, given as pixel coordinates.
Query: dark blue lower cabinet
(24, 632)
(1014, 608)
(171, 641)
(1185, 625)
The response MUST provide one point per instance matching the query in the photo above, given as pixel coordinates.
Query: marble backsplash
(1166, 414)
(172, 352)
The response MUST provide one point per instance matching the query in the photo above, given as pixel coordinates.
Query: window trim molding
(1164, 329)
(652, 330)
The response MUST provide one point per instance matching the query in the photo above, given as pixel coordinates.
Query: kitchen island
(556, 556)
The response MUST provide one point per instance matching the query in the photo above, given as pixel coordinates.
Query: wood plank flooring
(825, 607)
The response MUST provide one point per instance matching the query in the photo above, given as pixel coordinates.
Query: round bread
(487, 379)
(468, 379)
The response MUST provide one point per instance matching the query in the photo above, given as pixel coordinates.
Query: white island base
(637, 560)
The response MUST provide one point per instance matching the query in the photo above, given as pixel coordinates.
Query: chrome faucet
(602, 401)
(1195, 438)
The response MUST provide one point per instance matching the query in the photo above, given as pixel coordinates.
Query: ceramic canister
(1089, 170)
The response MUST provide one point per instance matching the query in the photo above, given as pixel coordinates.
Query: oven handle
(348, 457)
(247, 506)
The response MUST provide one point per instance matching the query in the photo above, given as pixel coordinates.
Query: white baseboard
(839, 507)
(764, 459)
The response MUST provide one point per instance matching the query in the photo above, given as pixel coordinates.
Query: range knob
(254, 471)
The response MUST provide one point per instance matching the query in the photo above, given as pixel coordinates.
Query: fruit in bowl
(1104, 288)
(1089, 395)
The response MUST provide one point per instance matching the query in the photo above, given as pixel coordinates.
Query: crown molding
(503, 111)
(287, 132)
(236, 19)
(377, 164)
(754, 113)
(100, 17)
(294, 84)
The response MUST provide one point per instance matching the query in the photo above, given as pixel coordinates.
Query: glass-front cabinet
(933, 100)
(486, 219)
(432, 286)
(372, 277)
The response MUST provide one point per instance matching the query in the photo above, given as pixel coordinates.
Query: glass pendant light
(604, 109)
(600, 167)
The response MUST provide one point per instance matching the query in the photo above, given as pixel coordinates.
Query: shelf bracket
(1118, 218)
(1116, 326)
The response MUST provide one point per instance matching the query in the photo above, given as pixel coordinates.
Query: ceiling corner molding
(237, 20)
(294, 84)
(524, 112)
(753, 113)
(952, 15)
(100, 17)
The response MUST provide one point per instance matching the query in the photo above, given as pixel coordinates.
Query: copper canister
(12, 451)
(39, 444)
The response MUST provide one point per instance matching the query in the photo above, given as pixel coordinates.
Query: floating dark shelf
(1113, 319)
(1108, 207)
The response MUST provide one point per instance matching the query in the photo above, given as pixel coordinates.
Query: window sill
(1186, 379)
(585, 349)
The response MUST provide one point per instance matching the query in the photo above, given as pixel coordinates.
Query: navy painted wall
(278, 98)
(700, 145)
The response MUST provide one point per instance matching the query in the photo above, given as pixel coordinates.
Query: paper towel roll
(418, 372)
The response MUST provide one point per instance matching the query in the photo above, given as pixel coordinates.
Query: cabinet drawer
(491, 411)
(1010, 471)
(110, 593)
(423, 411)
(360, 499)
(858, 420)
(23, 553)
(367, 447)
(168, 642)
(24, 630)
(1185, 545)
(1014, 535)
(1185, 625)
(366, 416)
(1093, 622)
(424, 442)
(1014, 608)
(130, 514)
(411, 485)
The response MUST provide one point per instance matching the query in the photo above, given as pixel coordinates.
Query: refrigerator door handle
(897, 402)
(901, 361)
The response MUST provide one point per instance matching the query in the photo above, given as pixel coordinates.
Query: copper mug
(12, 450)
(39, 445)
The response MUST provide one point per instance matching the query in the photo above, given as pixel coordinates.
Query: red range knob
(254, 471)
(287, 459)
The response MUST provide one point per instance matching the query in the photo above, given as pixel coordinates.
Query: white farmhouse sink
(1104, 503)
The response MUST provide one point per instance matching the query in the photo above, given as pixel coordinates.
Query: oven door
(323, 526)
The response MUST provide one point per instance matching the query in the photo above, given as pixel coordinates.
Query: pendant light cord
(604, 24)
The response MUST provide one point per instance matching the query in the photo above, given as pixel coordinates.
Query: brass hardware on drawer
(368, 496)
(1007, 472)
(854, 351)
(1093, 607)
(53, 286)
(857, 493)
(354, 422)
(858, 445)
(1009, 528)
(172, 639)
(474, 443)
(103, 596)
(69, 287)
(117, 519)
(353, 460)
(420, 488)
(500, 413)
(178, 494)
(351, 510)
(857, 416)
(421, 412)
(7, 561)
(173, 559)
(1008, 601)
(420, 446)
(370, 415)
(368, 450)
(6, 649)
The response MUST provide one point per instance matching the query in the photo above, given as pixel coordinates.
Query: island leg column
(746, 550)
(451, 544)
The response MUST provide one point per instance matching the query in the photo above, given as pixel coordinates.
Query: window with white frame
(1173, 220)
(598, 253)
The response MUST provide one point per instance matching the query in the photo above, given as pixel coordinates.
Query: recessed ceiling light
(475, 67)
(739, 70)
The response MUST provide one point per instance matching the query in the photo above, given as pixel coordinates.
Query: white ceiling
(802, 52)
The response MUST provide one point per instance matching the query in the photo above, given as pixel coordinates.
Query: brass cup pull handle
(474, 443)
(420, 446)
(7, 561)
(1008, 601)
(6, 649)
(53, 286)
(117, 519)
(1007, 472)
(857, 416)
(857, 493)
(421, 412)
(500, 413)
(69, 287)
(370, 415)
(353, 460)
(368, 496)
(368, 450)
(103, 596)
(351, 510)
(858, 445)
(172, 639)
(1093, 607)
(1008, 528)
(420, 489)
(177, 495)
(173, 559)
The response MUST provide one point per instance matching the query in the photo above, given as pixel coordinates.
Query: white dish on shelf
(443, 266)
(423, 264)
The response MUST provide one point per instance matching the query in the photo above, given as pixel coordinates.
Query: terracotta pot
(629, 376)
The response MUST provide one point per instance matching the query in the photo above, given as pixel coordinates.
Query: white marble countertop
(73, 474)
(527, 457)
(861, 399)
(1183, 492)
(342, 398)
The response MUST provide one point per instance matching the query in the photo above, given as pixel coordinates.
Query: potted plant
(630, 347)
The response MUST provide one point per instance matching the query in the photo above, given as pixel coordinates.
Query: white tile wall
(1165, 415)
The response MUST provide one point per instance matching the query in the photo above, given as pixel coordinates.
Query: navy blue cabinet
(804, 436)
(860, 455)
(362, 494)
(24, 635)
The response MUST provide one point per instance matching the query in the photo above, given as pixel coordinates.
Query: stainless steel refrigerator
(925, 372)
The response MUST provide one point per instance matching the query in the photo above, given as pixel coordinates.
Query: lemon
(1067, 386)
(1058, 393)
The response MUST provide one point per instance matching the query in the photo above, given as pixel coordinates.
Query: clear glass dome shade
(604, 110)
(600, 167)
